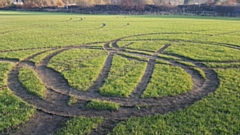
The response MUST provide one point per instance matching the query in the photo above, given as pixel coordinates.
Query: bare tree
(159, 2)
(99, 2)
(210, 1)
(59, 3)
(139, 4)
(5, 3)
(229, 2)
(32, 3)
(85, 3)
(107, 2)
(116, 2)
(187, 1)
(127, 4)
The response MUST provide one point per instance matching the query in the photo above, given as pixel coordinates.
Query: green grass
(168, 81)
(4, 68)
(72, 100)
(80, 67)
(165, 37)
(168, 57)
(13, 111)
(162, 62)
(201, 72)
(31, 82)
(204, 52)
(19, 55)
(150, 46)
(123, 77)
(138, 51)
(216, 114)
(133, 56)
(187, 63)
(103, 105)
(79, 126)
(222, 65)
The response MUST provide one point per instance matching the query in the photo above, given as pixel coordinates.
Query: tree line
(122, 3)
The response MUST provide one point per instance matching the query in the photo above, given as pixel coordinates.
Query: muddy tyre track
(142, 85)
(103, 75)
(42, 124)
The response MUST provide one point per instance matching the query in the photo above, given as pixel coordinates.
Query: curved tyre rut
(142, 85)
(103, 75)
(42, 124)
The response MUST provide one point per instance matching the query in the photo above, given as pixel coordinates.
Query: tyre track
(9, 60)
(38, 125)
(71, 112)
(80, 95)
(87, 96)
(103, 75)
(225, 33)
(129, 44)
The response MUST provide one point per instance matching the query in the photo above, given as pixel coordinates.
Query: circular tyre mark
(55, 82)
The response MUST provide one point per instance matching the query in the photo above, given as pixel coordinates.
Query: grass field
(135, 75)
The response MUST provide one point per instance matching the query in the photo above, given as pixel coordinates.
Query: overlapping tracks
(54, 109)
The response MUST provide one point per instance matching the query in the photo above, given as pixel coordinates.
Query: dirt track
(53, 111)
